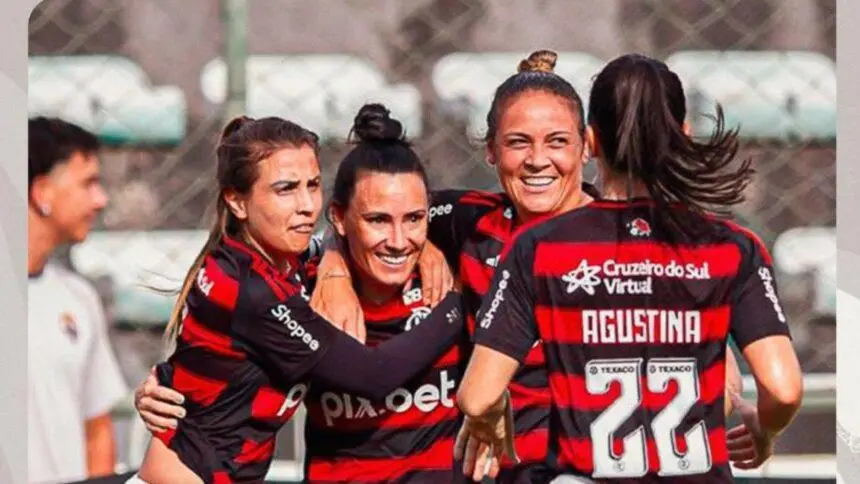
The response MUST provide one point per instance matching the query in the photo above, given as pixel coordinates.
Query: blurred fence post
(235, 19)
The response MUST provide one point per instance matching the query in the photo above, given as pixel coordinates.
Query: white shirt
(73, 375)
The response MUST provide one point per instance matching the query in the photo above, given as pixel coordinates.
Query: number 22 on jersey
(633, 461)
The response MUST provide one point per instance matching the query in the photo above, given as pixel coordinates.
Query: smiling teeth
(395, 260)
(538, 181)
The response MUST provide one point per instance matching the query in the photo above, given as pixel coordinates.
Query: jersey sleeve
(506, 321)
(281, 333)
(292, 341)
(374, 372)
(452, 219)
(756, 308)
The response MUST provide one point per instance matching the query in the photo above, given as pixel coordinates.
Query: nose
(538, 159)
(305, 203)
(100, 197)
(397, 240)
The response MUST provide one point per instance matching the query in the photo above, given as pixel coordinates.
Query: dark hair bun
(539, 61)
(374, 123)
(234, 125)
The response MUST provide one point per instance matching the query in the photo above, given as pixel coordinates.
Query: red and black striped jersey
(472, 228)
(249, 346)
(634, 329)
(406, 437)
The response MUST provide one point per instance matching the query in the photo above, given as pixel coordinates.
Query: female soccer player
(633, 297)
(380, 206)
(248, 345)
(535, 141)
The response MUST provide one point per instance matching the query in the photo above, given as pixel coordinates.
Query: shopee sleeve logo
(770, 292)
(282, 313)
(498, 299)
(439, 210)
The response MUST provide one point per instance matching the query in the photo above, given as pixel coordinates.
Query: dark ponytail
(637, 108)
(380, 147)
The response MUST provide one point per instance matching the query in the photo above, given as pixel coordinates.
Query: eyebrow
(284, 183)
(375, 214)
(520, 133)
(516, 133)
(372, 213)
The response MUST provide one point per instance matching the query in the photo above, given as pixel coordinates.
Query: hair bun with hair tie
(234, 125)
(539, 61)
(374, 123)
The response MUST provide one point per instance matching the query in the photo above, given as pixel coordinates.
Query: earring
(45, 209)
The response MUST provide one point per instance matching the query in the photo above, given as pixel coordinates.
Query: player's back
(635, 331)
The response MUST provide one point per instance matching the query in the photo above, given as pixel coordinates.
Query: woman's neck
(579, 200)
(374, 292)
(619, 187)
(281, 262)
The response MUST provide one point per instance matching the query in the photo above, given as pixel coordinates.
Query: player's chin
(539, 204)
(80, 233)
(297, 242)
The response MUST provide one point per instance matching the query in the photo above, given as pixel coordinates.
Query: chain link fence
(151, 78)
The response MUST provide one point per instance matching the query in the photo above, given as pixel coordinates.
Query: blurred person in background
(634, 295)
(73, 377)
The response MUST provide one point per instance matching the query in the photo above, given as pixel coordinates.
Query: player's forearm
(734, 382)
(101, 450)
(775, 414)
(487, 376)
(778, 381)
(375, 372)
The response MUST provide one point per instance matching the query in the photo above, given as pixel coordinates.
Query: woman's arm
(334, 296)
(761, 330)
(376, 372)
(505, 331)
(779, 381)
(734, 381)
(485, 381)
(291, 340)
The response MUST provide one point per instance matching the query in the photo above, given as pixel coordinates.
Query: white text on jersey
(282, 313)
(426, 398)
(650, 326)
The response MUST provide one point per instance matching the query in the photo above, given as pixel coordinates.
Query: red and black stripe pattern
(530, 388)
(634, 330)
(406, 437)
(234, 408)
(472, 228)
